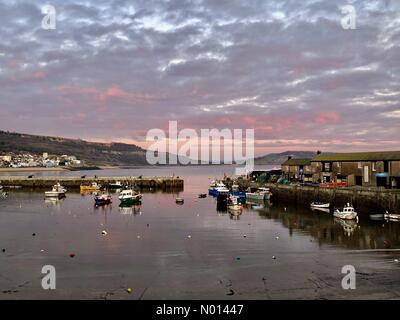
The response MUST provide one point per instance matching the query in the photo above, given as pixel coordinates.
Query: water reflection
(324, 228)
(130, 210)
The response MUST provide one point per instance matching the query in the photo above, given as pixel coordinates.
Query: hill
(117, 154)
(279, 158)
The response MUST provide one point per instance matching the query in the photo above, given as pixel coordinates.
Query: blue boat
(239, 194)
(102, 200)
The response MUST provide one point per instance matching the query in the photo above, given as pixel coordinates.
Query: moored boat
(102, 199)
(259, 194)
(58, 191)
(94, 186)
(116, 185)
(320, 205)
(179, 200)
(347, 213)
(129, 197)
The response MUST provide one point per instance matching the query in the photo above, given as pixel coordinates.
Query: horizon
(110, 72)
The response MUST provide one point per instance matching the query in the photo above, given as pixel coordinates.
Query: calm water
(166, 251)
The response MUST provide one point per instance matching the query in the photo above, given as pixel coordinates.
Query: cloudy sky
(112, 70)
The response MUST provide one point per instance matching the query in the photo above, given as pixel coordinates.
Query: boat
(391, 216)
(240, 194)
(179, 200)
(58, 191)
(129, 197)
(94, 186)
(216, 188)
(102, 199)
(320, 205)
(1, 187)
(202, 195)
(116, 185)
(259, 194)
(347, 213)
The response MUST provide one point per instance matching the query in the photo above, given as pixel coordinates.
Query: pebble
(273, 257)
(129, 290)
(71, 255)
(189, 236)
(277, 238)
(244, 236)
(237, 258)
(3, 250)
(104, 232)
(33, 234)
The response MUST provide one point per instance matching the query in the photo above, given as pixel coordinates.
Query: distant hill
(279, 158)
(117, 154)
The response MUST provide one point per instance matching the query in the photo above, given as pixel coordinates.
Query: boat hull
(345, 216)
(258, 197)
(51, 194)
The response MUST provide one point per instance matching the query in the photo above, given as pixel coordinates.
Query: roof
(297, 162)
(358, 156)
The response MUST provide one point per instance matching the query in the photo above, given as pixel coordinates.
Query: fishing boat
(129, 197)
(94, 186)
(102, 199)
(347, 213)
(320, 205)
(116, 185)
(259, 194)
(391, 216)
(58, 191)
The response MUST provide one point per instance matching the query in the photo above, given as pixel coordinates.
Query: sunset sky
(112, 70)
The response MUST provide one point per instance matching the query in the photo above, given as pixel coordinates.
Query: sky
(112, 70)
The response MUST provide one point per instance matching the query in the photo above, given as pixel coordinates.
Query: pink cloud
(327, 117)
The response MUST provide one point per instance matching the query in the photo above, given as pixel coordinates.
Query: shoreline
(32, 169)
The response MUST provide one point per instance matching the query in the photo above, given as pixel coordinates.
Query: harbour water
(162, 250)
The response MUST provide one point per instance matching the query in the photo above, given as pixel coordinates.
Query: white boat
(116, 185)
(391, 216)
(1, 187)
(320, 205)
(58, 191)
(129, 197)
(347, 213)
(260, 194)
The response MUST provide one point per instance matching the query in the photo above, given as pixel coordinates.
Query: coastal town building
(297, 170)
(367, 169)
(21, 160)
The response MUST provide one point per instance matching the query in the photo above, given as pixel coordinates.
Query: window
(359, 165)
(373, 166)
(327, 166)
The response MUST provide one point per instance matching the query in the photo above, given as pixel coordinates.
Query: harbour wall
(365, 200)
(164, 183)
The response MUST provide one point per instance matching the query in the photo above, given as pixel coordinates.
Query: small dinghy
(179, 200)
(202, 195)
(320, 205)
(347, 213)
